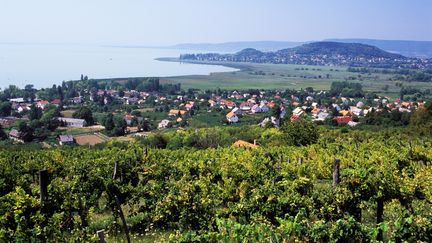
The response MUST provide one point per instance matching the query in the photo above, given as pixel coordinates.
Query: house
(343, 120)
(164, 124)
(66, 140)
(321, 116)
(189, 106)
(17, 100)
(132, 101)
(236, 111)
(296, 117)
(244, 144)
(352, 124)
(100, 92)
(174, 112)
(128, 119)
(356, 111)
(76, 100)
(256, 109)
(264, 107)
(273, 121)
(212, 103)
(245, 106)
(345, 112)
(17, 136)
(271, 104)
(297, 111)
(24, 107)
(41, 104)
(232, 117)
(228, 103)
(315, 111)
(72, 122)
(56, 102)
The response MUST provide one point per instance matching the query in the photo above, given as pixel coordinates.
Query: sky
(168, 22)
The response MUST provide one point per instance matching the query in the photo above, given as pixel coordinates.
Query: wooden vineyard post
(112, 192)
(81, 211)
(101, 235)
(336, 174)
(43, 185)
(379, 217)
(300, 160)
(115, 170)
(120, 210)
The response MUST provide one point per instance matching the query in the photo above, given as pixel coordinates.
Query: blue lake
(45, 65)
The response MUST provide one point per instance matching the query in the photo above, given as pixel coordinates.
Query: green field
(287, 76)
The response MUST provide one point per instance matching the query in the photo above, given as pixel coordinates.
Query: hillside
(421, 49)
(320, 53)
(408, 48)
(343, 49)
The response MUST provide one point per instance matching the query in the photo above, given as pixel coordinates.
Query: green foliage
(223, 194)
(5, 108)
(300, 133)
(84, 113)
(3, 134)
(346, 89)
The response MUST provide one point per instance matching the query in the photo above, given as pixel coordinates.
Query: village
(143, 112)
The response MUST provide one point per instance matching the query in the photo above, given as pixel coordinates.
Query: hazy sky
(164, 22)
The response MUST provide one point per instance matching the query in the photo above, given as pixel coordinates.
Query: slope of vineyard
(224, 194)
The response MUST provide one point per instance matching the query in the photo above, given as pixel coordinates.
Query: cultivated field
(90, 139)
(287, 76)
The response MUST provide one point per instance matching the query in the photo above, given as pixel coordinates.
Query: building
(174, 112)
(244, 144)
(56, 102)
(232, 117)
(17, 136)
(66, 140)
(343, 120)
(72, 122)
(41, 104)
(164, 124)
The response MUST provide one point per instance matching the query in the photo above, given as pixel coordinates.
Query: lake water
(45, 65)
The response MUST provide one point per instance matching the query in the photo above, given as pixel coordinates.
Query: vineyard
(345, 188)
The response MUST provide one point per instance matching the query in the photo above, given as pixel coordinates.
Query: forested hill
(320, 53)
(353, 50)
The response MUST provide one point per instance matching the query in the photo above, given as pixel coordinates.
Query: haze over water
(44, 65)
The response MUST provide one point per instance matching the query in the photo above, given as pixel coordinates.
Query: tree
(144, 125)
(422, 116)
(276, 111)
(109, 122)
(26, 131)
(300, 133)
(35, 112)
(5, 108)
(49, 118)
(84, 113)
(3, 134)
(120, 126)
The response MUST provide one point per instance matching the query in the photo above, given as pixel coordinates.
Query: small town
(216, 121)
(139, 112)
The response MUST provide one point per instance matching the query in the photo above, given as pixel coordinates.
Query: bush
(300, 133)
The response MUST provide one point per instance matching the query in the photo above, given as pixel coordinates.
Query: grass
(79, 130)
(68, 113)
(207, 119)
(287, 76)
